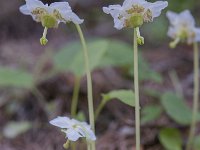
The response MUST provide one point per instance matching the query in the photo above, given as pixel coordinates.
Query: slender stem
(88, 146)
(75, 97)
(89, 82)
(136, 88)
(45, 32)
(99, 108)
(73, 146)
(195, 98)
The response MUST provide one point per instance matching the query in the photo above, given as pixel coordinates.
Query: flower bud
(66, 145)
(43, 41)
(49, 21)
(140, 40)
(172, 45)
(136, 20)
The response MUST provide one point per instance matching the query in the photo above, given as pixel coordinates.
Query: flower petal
(157, 7)
(172, 32)
(186, 16)
(66, 12)
(85, 130)
(116, 11)
(128, 3)
(70, 16)
(172, 17)
(33, 4)
(91, 136)
(61, 6)
(23, 9)
(62, 122)
(118, 24)
(72, 135)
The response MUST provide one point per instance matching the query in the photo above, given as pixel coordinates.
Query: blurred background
(37, 82)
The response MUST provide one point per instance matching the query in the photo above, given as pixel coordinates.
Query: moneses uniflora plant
(50, 16)
(182, 29)
(132, 14)
(74, 129)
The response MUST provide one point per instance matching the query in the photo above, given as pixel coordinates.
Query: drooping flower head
(50, 15)
(182, 28)
(134, 12)
(74, 129)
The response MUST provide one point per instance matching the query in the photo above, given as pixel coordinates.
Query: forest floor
(115, 126)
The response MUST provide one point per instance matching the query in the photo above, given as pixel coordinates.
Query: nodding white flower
(182, 28)
(50, 15)
(59, 11)
(74, 129)
(134, 12)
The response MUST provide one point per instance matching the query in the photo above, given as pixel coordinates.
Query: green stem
(136, 88)
(195, 98)
(45, 32)
(99, 108)
(75, 96)
(89, 82)
(73, 146)
(88, 146)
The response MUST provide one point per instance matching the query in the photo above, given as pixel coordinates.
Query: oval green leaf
(170, 138)
(125, 96)
(176, 108)
(15, 78)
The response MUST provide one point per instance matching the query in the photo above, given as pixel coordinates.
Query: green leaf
(71, 57)
(15, 78)
(102, 53)
(118, 53)
(170, 138)
(121, 54)
(125, 96)
(197, 143)
(176, 108)
(150, 113)
(13, 129)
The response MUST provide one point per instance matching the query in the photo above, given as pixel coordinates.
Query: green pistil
(49, 21)
(135, 21)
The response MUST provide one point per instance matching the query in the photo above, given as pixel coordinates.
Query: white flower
(123, 14)
(49, 15)
(182, 28)
(74, 129)
(59, 11)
